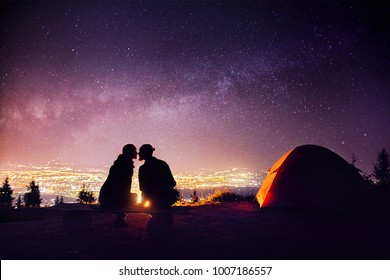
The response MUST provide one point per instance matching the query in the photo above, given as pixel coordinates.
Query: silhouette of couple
(156, 182)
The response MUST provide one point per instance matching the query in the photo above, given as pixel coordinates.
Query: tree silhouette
(32, 198)
(19, 202)
(6, 197)
(59, 200)
(382, 169)
(353, 160)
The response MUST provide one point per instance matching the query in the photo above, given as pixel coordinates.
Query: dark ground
(235, 230)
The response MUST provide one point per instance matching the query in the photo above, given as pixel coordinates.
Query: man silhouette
(156, 181)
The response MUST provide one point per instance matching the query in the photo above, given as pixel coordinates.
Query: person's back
(115, 192)
(156, 180)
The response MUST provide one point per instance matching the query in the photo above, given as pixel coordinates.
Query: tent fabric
(312, 176)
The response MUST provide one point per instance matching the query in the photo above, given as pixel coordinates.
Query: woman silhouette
(115, 192)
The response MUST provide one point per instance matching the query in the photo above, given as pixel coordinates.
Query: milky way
(209, 84)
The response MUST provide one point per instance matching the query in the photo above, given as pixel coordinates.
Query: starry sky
(209, 84)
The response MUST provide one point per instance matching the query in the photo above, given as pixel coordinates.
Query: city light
(68, 183)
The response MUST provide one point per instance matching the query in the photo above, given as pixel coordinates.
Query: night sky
(209, 84)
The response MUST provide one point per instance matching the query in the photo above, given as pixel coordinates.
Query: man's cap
(147, 147)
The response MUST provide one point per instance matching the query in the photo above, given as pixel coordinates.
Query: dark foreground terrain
(235, 230)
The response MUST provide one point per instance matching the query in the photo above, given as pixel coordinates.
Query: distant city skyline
(68, 183)
(209, 84)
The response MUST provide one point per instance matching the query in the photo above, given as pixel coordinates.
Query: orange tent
(311, 176)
